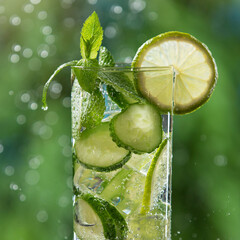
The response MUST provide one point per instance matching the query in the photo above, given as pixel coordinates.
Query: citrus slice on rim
(194, 67)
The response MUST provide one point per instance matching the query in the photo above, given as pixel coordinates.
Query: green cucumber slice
(97, 218)
(119, 220)
(137, 128)
(92, 218)
(96, 150)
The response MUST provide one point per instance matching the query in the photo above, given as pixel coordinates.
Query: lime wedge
(194, 66)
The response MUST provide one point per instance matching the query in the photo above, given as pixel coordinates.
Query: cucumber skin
(120, 143)
(100, 209)
(117, 97)
(113, 213)
(121, 225)
(109, 168)
(148, 183)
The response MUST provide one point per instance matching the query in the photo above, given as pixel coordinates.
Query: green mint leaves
(91, 37)
(105, 58)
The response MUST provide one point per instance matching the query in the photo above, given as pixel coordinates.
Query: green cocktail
(122, 131)
(125, 178)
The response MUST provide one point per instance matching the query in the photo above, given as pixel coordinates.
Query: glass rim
(125, 68)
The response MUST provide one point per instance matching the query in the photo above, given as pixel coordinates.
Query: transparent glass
(139, 189)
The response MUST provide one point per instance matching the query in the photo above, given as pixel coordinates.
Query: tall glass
(136, 195)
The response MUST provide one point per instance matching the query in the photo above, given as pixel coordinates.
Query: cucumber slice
(138, 128)
(97, 218)
(120, 223)
(96, 150)
(92, 219)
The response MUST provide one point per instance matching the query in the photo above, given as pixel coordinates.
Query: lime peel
(148, 183)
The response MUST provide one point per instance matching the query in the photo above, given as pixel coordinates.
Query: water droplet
(25, 97)
(45, 108)
(137, 5)
(46, 30)
(1, 148)
(50, 39)
(116, 9)
(28, 8)
(92, 2)
(42, 15)
(220, 161)
(35, 1)
(116, 200)
(63, 201)
(27, 52)
(11, 92)
(66, 102)
(21, 119)
(45, 132)
(22, 197)
(33, 106)
(42, 216)
(9, 170)
(127, 211)
(56, 88)
(34, 162)
(153, 16)
(128, 59)
(14, 187)
(67, 151)
(110, 32)
(69, 22)
(44, 54)
(66, 3)
(15, 20)
(32, 177)
(16, 48)
(14, 58)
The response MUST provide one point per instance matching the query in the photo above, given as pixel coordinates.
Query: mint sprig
(47, 84)
(91, 37)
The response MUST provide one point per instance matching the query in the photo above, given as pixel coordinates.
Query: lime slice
(194, 66)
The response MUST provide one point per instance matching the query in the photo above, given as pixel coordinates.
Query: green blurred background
(35, 154)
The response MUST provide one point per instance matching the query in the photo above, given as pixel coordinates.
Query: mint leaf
(105, 58)
(121, 83)
(87, 109)
(86, 74)
(91, 37)
(118, 83)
